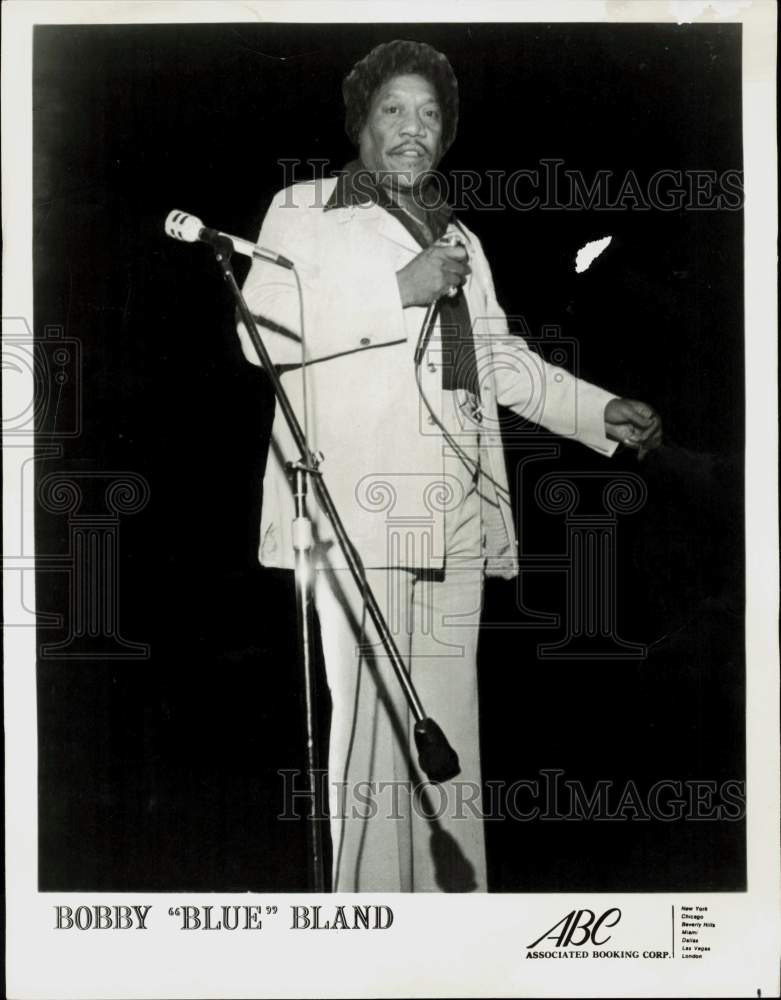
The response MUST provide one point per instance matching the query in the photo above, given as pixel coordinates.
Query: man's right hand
(431, 274)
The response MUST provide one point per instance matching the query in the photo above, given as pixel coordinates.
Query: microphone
(190, 229)
(451, 238)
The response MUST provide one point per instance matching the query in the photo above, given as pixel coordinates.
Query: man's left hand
(635, 424)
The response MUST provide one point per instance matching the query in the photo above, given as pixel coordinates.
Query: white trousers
(392, 829)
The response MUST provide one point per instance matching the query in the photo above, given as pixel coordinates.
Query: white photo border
(439, 946)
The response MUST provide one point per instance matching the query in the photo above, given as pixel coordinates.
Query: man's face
(403, 129)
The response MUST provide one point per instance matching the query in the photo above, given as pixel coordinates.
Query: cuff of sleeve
(379, 317)
(591, 418)
(363, 313)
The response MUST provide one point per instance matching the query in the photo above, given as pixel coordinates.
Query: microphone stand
(437, 759)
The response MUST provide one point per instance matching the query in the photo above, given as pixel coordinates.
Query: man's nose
(413, 124)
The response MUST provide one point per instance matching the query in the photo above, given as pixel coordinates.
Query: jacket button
(430, 420)
(365, 341)
(431, 366)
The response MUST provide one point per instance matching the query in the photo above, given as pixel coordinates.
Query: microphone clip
(221, 244)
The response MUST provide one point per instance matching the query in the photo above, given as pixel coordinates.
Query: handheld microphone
(190, 229)
(451, 238)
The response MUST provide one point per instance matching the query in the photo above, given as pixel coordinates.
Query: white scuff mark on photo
(589, 253)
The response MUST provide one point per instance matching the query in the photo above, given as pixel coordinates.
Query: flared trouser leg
(391, 829)
(369, 737)
(448, 846)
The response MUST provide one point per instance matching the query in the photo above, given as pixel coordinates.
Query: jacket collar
(357, 185)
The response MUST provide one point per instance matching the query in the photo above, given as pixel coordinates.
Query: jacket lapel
(389, 228)
(385, 225)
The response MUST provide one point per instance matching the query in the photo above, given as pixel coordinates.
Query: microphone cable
(472, 465)
(305, 413)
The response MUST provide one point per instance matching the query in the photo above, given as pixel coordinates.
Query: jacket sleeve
(351, 298)
(533, 388)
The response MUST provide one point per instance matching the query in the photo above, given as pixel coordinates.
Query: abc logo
(579, 927)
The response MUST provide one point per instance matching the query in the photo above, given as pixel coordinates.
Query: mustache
(411, 145)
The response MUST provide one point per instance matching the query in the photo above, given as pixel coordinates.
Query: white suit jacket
(383, 455)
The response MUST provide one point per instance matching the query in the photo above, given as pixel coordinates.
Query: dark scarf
(357, 185)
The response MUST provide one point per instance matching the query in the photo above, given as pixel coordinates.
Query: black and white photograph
(390, 484)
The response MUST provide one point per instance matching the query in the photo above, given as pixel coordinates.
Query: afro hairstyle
(394, 59)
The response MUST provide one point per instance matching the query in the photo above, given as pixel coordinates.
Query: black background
(161, 773)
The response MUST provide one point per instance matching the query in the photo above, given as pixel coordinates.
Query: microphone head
(182, 226)
(452, 237)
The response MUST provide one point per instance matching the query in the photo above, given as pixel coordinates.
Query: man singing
(413, 459)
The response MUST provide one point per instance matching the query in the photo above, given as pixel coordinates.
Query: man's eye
(432, 113)
(391, 109)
